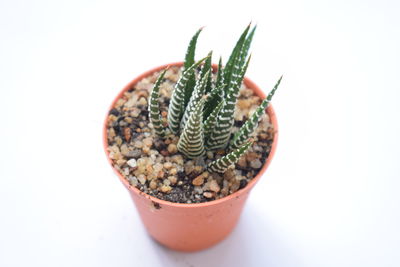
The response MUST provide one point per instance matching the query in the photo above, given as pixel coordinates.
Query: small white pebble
(132, 163)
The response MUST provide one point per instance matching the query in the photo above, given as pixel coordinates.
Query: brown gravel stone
(214, 186)
(166, 188)
(208, 194)
(172, 148)
(168, 165)
(165, 153)
(199, 180)
(153, 184)
(118, 140)
(242, 162)
(173, 179)
(173, 171)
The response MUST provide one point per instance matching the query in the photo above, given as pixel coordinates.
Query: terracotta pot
(191, 227)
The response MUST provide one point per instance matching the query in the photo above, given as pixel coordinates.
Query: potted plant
(189, 141)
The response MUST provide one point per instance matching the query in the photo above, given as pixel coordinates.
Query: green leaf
(154, 108)
(221, 133)
(189, 61)
(191, 141)
(198, 93)
(211, 120)
(234, 58)
(222, 164)
(220, 74)
(207, 67)
(190, 52)
(176, 105)
(248, 128)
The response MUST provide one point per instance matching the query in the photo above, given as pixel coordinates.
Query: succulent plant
(201, 110)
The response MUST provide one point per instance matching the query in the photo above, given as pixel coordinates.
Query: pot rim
(251, 85)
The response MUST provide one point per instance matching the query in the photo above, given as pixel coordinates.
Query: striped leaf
(191, 141)
(210, 122)
(233, 65)
(154, 108)
(247, 129)
(189, 61)
(190, 52)
(207, 67)
(222, 164)
(198, 93)
(213, 99)
(220, 74)
(246, 46)
(221, 133)
(176, 105)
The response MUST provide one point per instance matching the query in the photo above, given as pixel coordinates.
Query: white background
(331, 194)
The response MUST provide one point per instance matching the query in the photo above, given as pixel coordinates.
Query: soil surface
(155, 166)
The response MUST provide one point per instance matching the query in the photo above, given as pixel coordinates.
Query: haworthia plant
(201, 108)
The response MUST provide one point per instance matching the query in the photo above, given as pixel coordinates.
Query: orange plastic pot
(191, 227)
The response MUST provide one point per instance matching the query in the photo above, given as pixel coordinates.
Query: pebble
(242, 162)
(165, 153)
(118, 140)
(148, 141)
(198, 190)
(146, 149)
(235, 187)
(132, 163)
(244, 103)
(256, 164)
(166, 188)
(189, 167)
(250, 156)
(130, 103)
(229, 174)
(168, 165)
(173, 171)
(121, 162)
(132, 153)
(135, 112)
(138, 144)
(178, 159)
(142, 101)
(214, 186)
(199, 180)
(173, 179)
(172, 148)
(111, 134)
(142, 179)
(198, 169)
(124, 149)
(153, 184)
(208, 194)
(133, 180)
